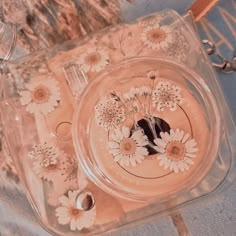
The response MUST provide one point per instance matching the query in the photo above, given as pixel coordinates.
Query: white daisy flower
(109, 113)
(177, 150)
(128, 149)
(157, 37)
(166, 95)
(69, 214)
(47, 161)
(94, 60)
(41, 96)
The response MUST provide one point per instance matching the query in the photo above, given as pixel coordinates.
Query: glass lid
(146, 129)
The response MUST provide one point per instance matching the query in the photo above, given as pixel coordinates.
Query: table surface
(217, 216)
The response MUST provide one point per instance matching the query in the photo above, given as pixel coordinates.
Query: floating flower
(68, 213)
(48, 161)
(131, 95)
(128, 148)
(70, 170)
(180, 49)
(135, 92)
(41, 96)
(153, 75)
(177, 150)
(166, 95)
(71, 177)
(135, 96)
(109, 113)
(157, 37)
(93, 60)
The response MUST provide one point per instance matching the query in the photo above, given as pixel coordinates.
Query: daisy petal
(139, 157)
(159, 149)
(133, 161)
(191, 155)
(125, 132)
(64, 201)
(185, 138)
(64, 220)
(73, 224)
(189, 161)
(190, 143)
(167, 164)
(192, 150)
(114, 151)
(113, 145)
(160, 143)
(118, 158)
(165, 136)
(25, 97)
(122, 162)
(142, 151)
(162, 162)
(181, 166)
(176, 168)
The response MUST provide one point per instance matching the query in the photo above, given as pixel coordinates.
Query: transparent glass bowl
(150, 180)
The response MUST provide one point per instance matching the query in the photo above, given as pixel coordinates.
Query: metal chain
(225, 65)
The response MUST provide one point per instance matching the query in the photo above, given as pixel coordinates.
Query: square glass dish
(128, 124)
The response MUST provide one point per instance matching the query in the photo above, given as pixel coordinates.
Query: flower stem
(150, 98)
(187, 119)
(141, 105)
(152, 127)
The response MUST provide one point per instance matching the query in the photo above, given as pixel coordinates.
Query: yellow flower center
(52, 167)
(74, 212)
(165, 96)
(175, 151)
(156, 35)
(93, 58)
(40, 94)
(108, 115)
(128, 146)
